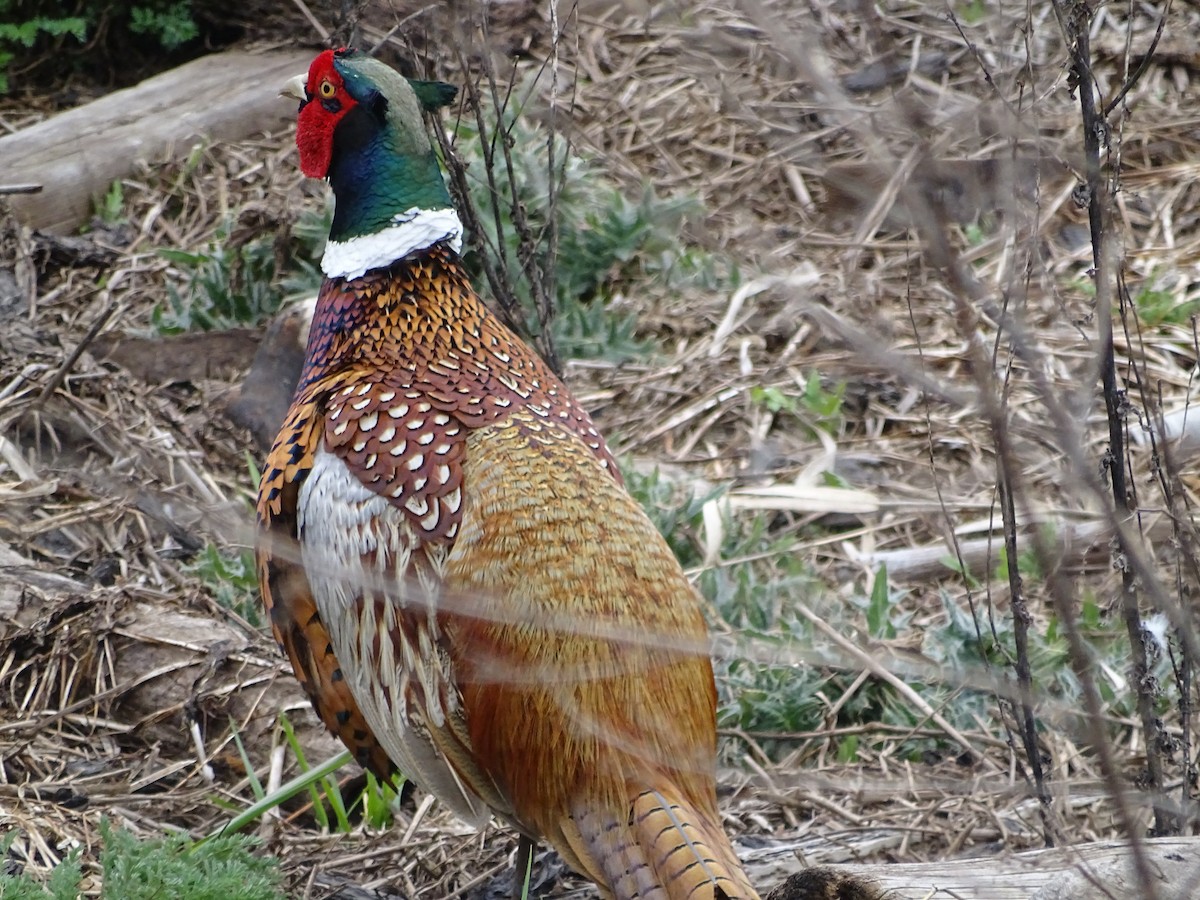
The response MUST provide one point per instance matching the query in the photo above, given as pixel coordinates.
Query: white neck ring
(412, 230)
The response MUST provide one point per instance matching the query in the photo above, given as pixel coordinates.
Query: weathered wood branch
(77, 154)
(1096, 871)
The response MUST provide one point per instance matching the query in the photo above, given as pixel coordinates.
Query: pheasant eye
(326, 89)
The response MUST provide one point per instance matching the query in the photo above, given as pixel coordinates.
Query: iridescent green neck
(374, 179)
(382, 163)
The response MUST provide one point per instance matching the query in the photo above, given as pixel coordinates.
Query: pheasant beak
(296, 87)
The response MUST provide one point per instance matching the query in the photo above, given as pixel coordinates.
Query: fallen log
(1102, 870)
(76, 155)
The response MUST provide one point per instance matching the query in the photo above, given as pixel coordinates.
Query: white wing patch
(356, 548)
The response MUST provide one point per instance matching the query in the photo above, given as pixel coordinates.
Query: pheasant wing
(291, 608)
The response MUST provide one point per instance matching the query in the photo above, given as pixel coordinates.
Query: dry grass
(807, 131)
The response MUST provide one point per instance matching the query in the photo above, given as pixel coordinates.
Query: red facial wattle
(328, 101)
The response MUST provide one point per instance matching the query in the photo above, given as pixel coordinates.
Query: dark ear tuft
(433, 94)
(378, 104)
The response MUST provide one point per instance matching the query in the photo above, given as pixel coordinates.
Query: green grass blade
(302, 782)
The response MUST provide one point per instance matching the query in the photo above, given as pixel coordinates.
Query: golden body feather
(466, 590)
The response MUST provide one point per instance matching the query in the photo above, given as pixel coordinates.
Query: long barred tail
(663, 850)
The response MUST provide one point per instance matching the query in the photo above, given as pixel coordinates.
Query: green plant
(25, 33)
(954, 564)
(608, 241)
(963, 643)
(847, 750)
(320, 790)
(1028, 564)
(879, 607)
(816, 406)
(1083, 284)
(312, 230)
(63, 883)
(766, 687)
(165, 24)
(675, 511)
(378, 801)
(110, 209)
(973, 11)
(264, 802)
(1157, 306)
(774, 699)
(223, 868)
(226, 285)
(233, 578)
(329, 807)
(170, 24)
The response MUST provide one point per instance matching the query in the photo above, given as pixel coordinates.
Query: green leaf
(171, 25)
(952, 563)
(302, 782)
(847, 751)
(222, 868)
(878, 621)
(27, 32)
(182, 257)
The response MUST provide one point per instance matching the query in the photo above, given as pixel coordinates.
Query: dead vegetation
(900, 190)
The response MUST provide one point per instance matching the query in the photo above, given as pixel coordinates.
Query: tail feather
(664, 849)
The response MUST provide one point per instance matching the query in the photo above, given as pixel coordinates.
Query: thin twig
(872, 665)
(312, 20)
(57, 378)
(527, 246)
(1133, 79)
(1096, 131)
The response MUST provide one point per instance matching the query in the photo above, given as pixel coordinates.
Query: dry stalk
(1021, 617)
(1075, 20)
(497, 142)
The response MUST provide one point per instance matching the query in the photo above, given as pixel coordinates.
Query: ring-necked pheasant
(447, 553)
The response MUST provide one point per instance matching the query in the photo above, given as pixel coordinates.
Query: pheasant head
(360, 127)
